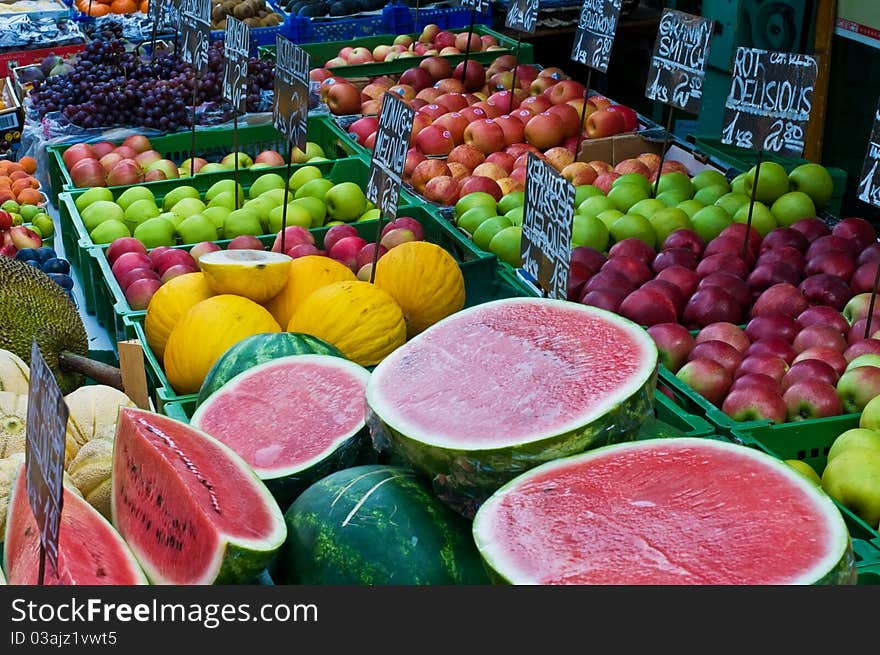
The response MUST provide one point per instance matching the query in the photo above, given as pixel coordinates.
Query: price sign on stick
(195, 27)
(522, 15)
(678, 65)
(771, 95)
(45, 436)
(477, 5)
(291, 108)
(389, 155)
(869, 183)
(596, 28)
(546, 227)
(237, 48)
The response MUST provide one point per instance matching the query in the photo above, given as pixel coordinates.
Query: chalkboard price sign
(678, 65)
(596, 28)
(481, 6)
(546, 227)
(45, 435)
(291, 109)
(869, 185)
(389, 155)
(195, 27)
(237, 50)
(522, 15)
(771, 96)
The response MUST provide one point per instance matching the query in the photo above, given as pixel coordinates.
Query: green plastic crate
(321, 52)
(210, 144)
(668, 412)
(808, 441)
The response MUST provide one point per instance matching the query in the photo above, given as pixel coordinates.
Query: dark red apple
(826, 289)
(766, 275)
(648, 307)
(685, 279)
(869, 254)
(773, 346)
(674, 343)
(862, 280)
(733, 285)
(578, 274)
(810, 369)
(782, 298)
(670, 291)
(823, 315)
(857, 230)
(830, 356)
(719, 351)
(785, 236)
(589, 257)
(834, 262)
(754, 403)
(739, 231)
(809, 399)
(710, 305)
(633, 247)
(610, 280)
(769, 365)
(730, 245)
(724, 261)
(602, 298)
(830, 242)
(812, 228)
(819, 335)
(685, 239)
(751, 380)
(675, 257)
(772, 325)
(869, 346)
(727, 332)
(636, 271)
(857, 329)
(785, 254)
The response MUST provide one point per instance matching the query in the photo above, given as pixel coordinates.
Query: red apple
(710, 305)
(739, 230)
(425, 171)
(785, 236)
(819, 335)
(831, 242)
(683, 278)
(724, 261)
(764, 276)
(863, 277)
(726, 332)
(782, 298)
(607, 299)
(87, 173)
(480, 183)
(753, 380)
(773, 346)
(131, 275)
(809, 399)
(857, 230)
(810, 369)
(648, 307)
(610, 280)
(812, 228)
(605, 123)
(719, 351)
(545, 130)
(77, 152)
(128, 244)
(674, 257)
(833, 262)
(869, 346)
(636, 271)
(791, 257)
(830, 356)
(435, 140)
(473, 77)
(344, 98)
(734, 286)
(754, 403)
(443, 190)
(486, 135)
(418, 78)
(826, 289)
(707, 377)
(683, 239)
(769, 365)
(141, 291)
(674, 343)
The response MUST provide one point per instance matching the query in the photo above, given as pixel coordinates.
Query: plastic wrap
(23, 31)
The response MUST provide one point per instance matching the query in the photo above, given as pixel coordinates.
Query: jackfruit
(33, 306)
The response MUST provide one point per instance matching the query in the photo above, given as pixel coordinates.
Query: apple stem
(97, 371)
(752, 204)
(871, 305)
(286, 195)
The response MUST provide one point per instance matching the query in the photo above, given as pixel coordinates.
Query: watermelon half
(192, 511)
(90, 551)
(664, 511)
(293, 419)
(499, 388)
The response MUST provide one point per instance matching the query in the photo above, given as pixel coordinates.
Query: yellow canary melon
(359, 318)
(207, 331)
(93, 413)
(425, 280)
(90, 473)
(305, 275)
(14, 372)
(255, 274)
(169, 304)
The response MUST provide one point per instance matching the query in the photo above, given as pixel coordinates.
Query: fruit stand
(711, 354)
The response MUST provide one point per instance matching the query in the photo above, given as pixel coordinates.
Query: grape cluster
(110, 86)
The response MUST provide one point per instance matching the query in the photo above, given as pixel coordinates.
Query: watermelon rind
(837, 568)
(236, 560)
(376, 525)
(259, 349)
(286, 483)
(466, 476)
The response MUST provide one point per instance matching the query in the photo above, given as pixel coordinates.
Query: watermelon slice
(664, 511)
(90, 551)
(192, 511)
(293, 419)
(499, 388)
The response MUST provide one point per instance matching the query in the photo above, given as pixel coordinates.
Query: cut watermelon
(293, 419)
(90, 551)
(192, 511)
(376, 525)
(499, 388)
(664, 511)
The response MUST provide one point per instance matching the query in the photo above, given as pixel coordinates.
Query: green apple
(303, 175)
(315, 207)
(488, 229)
(275, 197)
(471, 200)
(710, 221)
(314, 150)
(179, 193)
(738, 184)
(637, 179)
(261, 207)
(316, 188)
(624, 196)
(852, 478)
(595, 205)
(241, 221)
(473, 217)
(589, 231)
(133, 194)
(264, 183)
(244, 160)
(175, 219)
(814, 180)
(647, 208)
(805, 470)
(673, 198)
(584, 191)
(370, 215)
(708, 195)
(633, 225)
(506, 245)
(109, 231)
(197, 228)
(296, 215)
(516, 215)
(218, 217)
(100, 211)
(868, 359)
(763, 219)
(608, 217)
(854, 439)
(345, 201)
(511, 200)
(870, 418)
(222, 186)
(45, 224)
(678, 182)
(859, 383)
(155, 232)
(772, 182)
(667, 221)
(11, 206)
(139, 211)
(792, 206)
(93, 195)
(213, 167)
(224, 199)
(732, 201)
(690, 207)
(709, 177)
(188, 207)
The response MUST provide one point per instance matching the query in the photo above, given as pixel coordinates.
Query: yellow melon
(255, 274)
(425, 280)
(169, 304)
(93, 413)
(90, 473)
(207, 331)
(359, 318)
(306, 274)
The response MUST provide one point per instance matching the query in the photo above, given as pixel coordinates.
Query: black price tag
(291, 109)
(869, 185)
(389, 155)
(770, 99)
(522, 15)
(237, 47)
(45, 435)
(596, 28)
(546, 228)
(195, 27)
(678, 65)
(481, 6)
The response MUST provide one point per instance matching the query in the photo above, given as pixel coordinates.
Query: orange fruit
(19, 175)
(29, 164)
(20, 185)
(29, 196)
(144, 6)
(5, 182)
(123, 7)
(6, 194)
(12, 167)
(97, 9)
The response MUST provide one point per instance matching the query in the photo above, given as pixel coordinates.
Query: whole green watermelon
(376, 525)
(259, 349)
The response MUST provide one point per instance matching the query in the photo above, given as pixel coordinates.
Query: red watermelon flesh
(90, 551)
(286, 414)
(665, 511)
